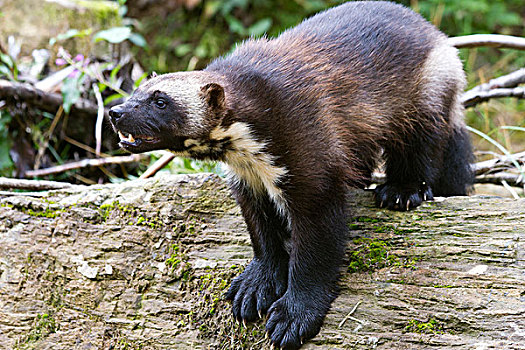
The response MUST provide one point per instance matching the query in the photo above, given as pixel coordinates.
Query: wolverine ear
(214, 95)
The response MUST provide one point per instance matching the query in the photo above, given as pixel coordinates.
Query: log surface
(144, 264)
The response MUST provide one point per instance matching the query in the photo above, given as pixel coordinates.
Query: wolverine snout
(115, 113)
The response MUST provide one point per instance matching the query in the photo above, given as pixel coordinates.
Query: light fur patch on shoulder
(249, 163)
(443, 67)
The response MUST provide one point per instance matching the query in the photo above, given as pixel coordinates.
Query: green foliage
(71, 33)
(117, 35)
(190, 166)
(6, 164)
(71, 91)
(473, 16)
(210, 29)
(8, 67)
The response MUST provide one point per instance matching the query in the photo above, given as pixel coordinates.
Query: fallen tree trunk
(144, 264)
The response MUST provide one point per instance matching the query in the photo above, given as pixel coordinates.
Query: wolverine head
(167, 110)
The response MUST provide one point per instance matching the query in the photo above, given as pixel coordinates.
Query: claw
(381, 205)
(408, 204)
(424, 196)
(259, 312)
(398, 200)
(244, 323)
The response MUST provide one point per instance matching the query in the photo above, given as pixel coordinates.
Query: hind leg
(412, 166)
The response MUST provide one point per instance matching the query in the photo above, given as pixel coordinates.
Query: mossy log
(144, 265)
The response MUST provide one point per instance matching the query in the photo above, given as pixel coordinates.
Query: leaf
(7, 60)
(71, 91)
(183, 49)
(72, 33)
(101, 87)
(111, 98)
(138, 40)
(5, 71)
(122, 10)
(113, 35)
(139, 80)
(114, 72)
(260, 27)
(235, 25)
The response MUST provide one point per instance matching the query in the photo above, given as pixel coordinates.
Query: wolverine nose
(116, 112)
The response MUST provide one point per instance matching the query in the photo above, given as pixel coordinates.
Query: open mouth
(130, 139)
(136, 143)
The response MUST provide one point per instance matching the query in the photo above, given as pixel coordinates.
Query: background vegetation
(186, 34)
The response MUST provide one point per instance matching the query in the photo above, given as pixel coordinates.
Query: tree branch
(481, 168)
(84, 164)
(32, 185)
(514, 179)
(472, 99)
(504, 86)
(48, 102)
(490, 40)
(158, 165)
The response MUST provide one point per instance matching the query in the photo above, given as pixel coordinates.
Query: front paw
(293, 319)
(256, 289)
(402, 197)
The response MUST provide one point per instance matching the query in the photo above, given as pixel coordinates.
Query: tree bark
(144, 264)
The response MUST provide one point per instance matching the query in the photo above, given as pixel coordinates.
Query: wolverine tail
(456, 176)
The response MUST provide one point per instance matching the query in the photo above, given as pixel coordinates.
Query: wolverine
(298, 120)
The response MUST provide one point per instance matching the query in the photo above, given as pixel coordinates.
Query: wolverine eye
(160, 103)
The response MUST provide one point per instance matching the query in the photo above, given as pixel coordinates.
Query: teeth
(124, 138)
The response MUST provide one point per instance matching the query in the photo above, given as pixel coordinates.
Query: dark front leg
(265, 279)
(318, 242)
(411, 167)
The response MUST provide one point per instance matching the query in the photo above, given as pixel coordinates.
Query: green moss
(367, 219)
(46, 213)
(431, 327)
(382, 229)
(372, 254)
(126, 344)
(176, 257)
(128, 213)
(213, 286)
(43, 325)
